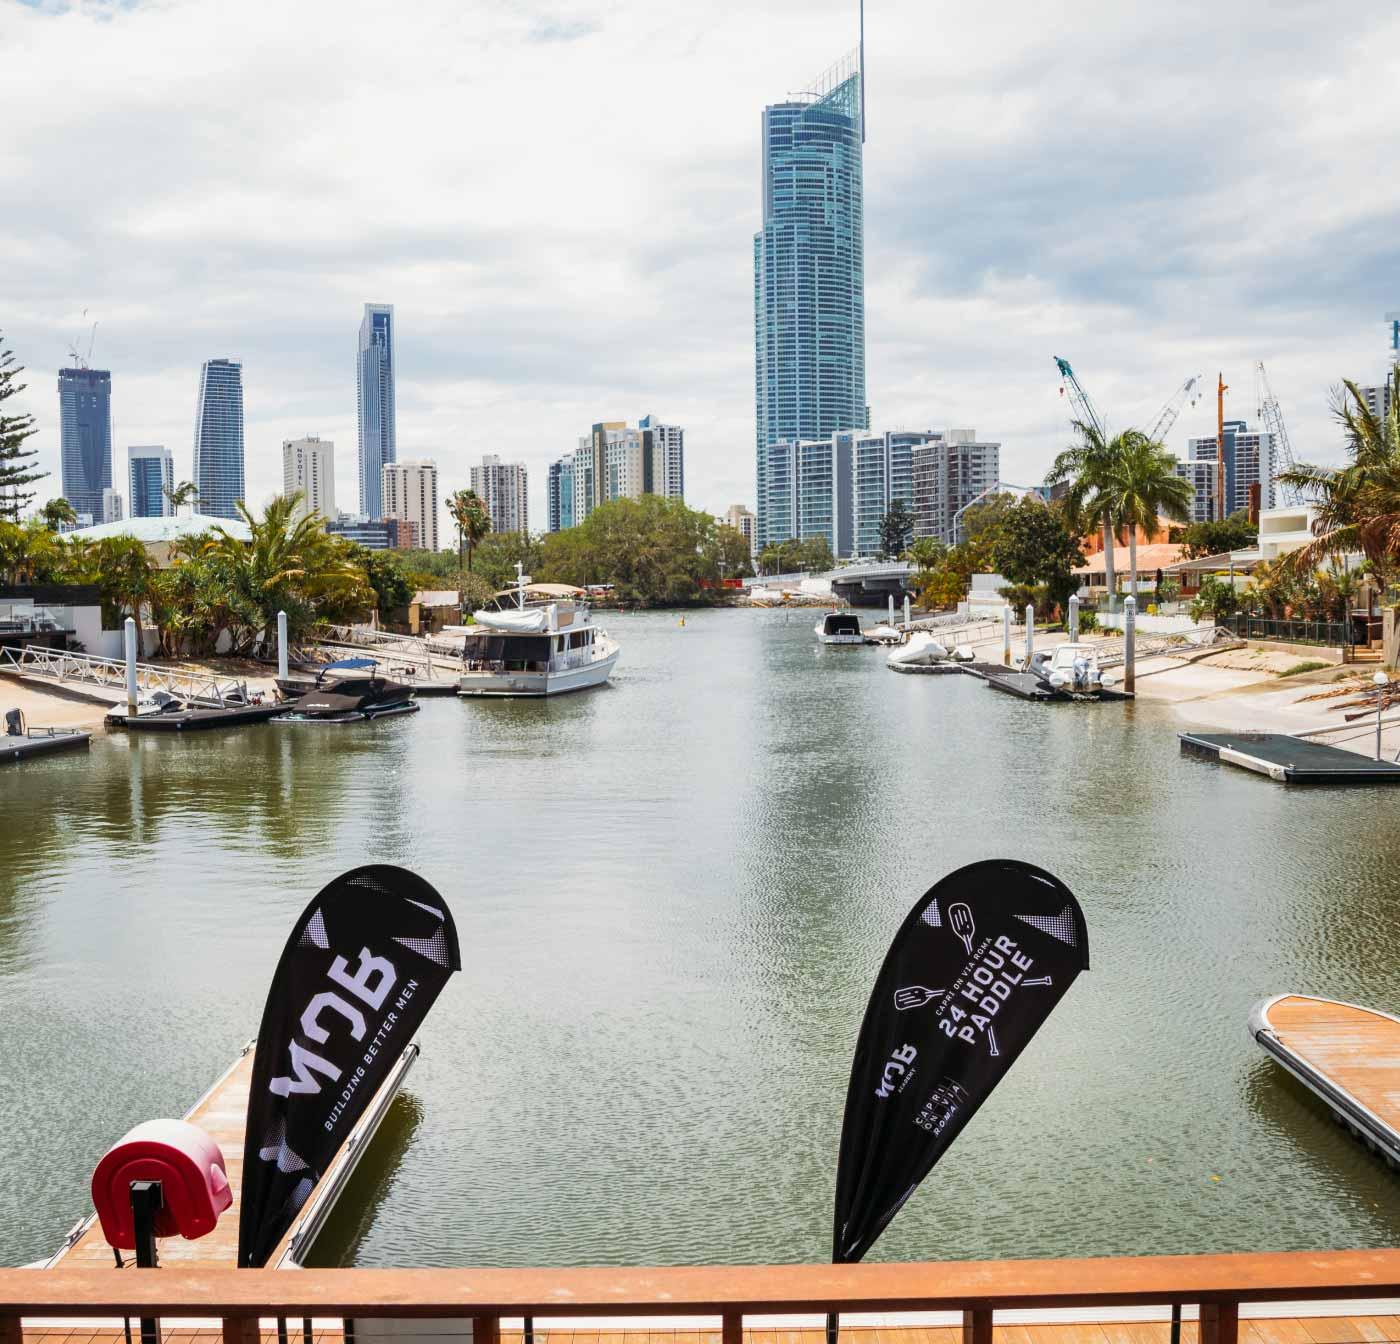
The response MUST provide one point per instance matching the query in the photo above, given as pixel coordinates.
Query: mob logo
(370, 984)
(897, 1071)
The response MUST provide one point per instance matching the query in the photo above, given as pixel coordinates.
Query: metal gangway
(424, 658)
(61, 668)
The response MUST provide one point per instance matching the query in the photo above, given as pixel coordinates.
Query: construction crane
(79, 359)
(1084, 411)
(1166, 417)
(1271, 416)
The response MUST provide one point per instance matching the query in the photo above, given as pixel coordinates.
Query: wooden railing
(1218, 1284)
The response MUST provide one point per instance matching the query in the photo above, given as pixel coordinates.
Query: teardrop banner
(364, 964)
(974, 970)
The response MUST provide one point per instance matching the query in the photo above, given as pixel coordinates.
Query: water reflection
(672, 897)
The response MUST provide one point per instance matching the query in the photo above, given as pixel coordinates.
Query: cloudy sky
(559, 200)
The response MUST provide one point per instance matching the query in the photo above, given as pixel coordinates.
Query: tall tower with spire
(809, 286)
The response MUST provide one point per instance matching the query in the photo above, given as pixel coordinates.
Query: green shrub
(1311, 665)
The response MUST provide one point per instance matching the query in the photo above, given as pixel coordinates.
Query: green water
(673, 895)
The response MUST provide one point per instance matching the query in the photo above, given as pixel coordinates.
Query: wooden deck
(222, 1113)
(1347, 1055)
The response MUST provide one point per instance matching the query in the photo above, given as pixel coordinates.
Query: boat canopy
(550, 591)
(517, 620)
(841, 623)
(348, 665)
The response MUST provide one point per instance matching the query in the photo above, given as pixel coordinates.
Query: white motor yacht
(839, 627)
(535, 639)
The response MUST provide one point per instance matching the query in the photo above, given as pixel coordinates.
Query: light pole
(1380, 681)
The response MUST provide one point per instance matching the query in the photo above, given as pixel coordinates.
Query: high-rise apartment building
(112, 511)
(560, 490)
(374, 391)
(502, 486)
(410, 491)
(742, 521)
(616, 461)
(664, 447)
(218, 438)
(949, 471)
(151, 473)
(1377, 399)
(1250, 459)
(308, 469)
(809, 280)
(840, 487)
(85, 435)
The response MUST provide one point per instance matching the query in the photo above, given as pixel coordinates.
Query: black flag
(972, 973)
(363, 965)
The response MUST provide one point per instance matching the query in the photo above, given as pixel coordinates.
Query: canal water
(673, 895)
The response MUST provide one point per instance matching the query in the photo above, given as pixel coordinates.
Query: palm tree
(125, 572)
(57, 512)
(187, 492)
(1140, 487)
(287, 564)
(1087, 466)
(1358, 505)
(473, 520)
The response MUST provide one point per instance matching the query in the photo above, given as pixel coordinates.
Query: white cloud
(560, 200)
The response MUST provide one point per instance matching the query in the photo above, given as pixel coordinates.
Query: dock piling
(1129, 643)
(1074, 618)
(282, 645)
(891, 598)
(906, 608)
(129, 642)
(1030, 634)
(1006, 635)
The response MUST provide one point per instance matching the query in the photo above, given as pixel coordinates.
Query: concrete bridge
(872, 582)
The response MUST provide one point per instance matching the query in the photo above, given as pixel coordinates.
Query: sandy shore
(1240, 690)
(87, 706)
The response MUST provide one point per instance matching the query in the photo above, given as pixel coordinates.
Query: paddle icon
(915, 996)
(960, 920)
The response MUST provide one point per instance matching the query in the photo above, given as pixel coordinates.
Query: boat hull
(21, 748)
(194, 720)
(354, 716)
(527, 685)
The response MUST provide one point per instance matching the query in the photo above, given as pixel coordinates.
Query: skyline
(1144, 229)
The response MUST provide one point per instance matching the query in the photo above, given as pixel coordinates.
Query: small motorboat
(19, 740)
(885, 634)
(1071, 669)
(350, 699)
(292, 687)
(159, 711)
(922, 650)
(840, 627)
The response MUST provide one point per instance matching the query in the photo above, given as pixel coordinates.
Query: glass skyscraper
(374, 389)
(561, 493)
(218, 438)
(152, 473)
(85, 434)
(809, 282)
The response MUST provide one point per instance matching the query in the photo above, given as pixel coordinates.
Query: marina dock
(1346, 1055)
(222, 1113)
(1290, 760)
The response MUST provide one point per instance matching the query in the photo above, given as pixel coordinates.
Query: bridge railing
(240, 1298)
